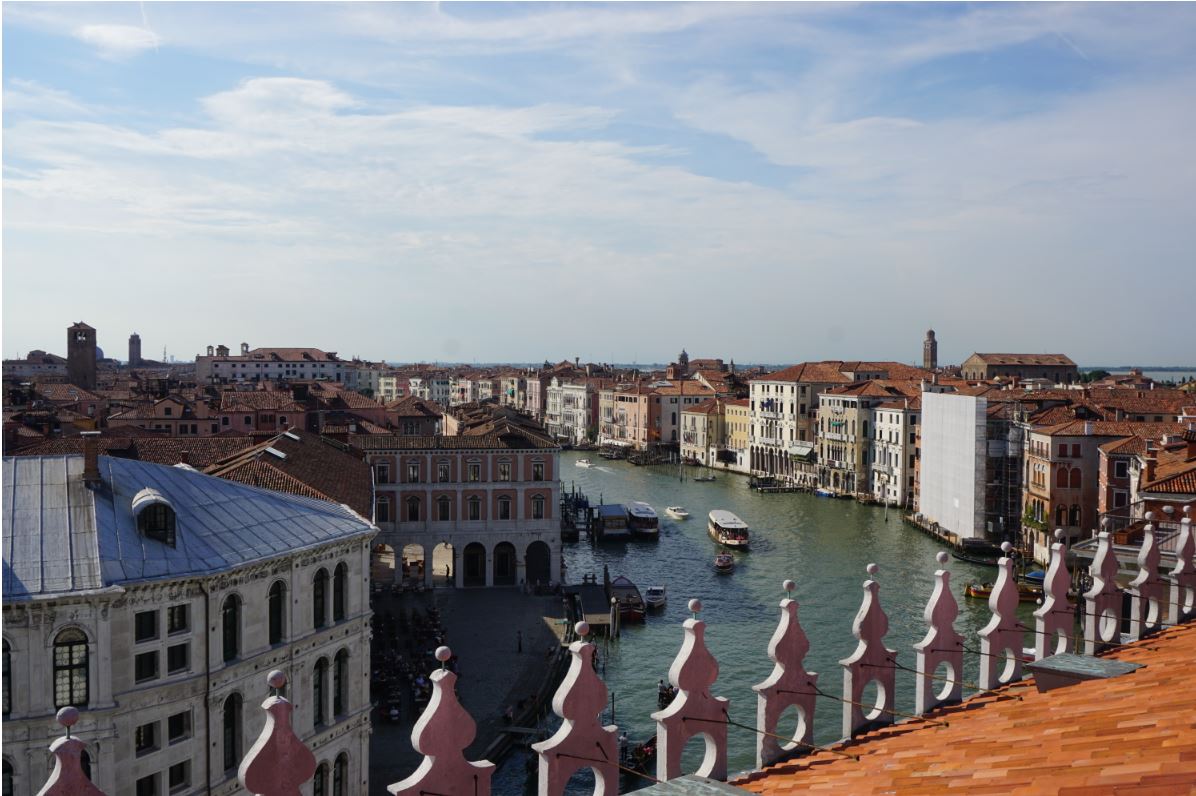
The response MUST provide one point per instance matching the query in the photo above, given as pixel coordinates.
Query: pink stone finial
(1053, 620)
(941, 646)
(278, 763)
(1001, 639)
(67, 778)
(789, 685)
(1147, 591)
(1102, 603)
(1183, 576)
(942, 557)
(871, 662)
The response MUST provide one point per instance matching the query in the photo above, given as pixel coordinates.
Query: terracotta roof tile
(1130, 734)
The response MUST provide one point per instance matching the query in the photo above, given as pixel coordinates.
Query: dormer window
(155, 516)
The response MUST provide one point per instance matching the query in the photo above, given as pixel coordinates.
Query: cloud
(117, 42)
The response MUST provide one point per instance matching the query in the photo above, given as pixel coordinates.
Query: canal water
(822, 544)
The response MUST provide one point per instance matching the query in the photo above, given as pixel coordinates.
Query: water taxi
(642, 520)
(655, 597)
(728, 530)
(677, 512)
(724, 563)
(583, 463)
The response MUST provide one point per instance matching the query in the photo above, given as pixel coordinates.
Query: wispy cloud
(117, 42)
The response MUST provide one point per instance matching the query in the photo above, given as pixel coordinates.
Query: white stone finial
(1169, 510)
(1059, 534)
(1147, 591)
(1001, 639)
(694, 711)
(1102, 603)
(582, 629)
(67, 778)
(695, 606)
(278, 763)
(789, 685)
(872, 569)
(581, 739)
(443, 654)
(788, 586)
(941, 646)
(441, 734)
(942, 557)
(1053, 620)
(1150, 516)
(871, 662)
(1006, 547)
(1183, 574)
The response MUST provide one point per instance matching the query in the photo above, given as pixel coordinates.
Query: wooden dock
(594, 607)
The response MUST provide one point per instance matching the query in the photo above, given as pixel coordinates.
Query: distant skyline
(498, 182)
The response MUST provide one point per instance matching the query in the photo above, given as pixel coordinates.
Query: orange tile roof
(1025, 359)
(1130, 734)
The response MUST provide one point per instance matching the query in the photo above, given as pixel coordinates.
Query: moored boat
(610, 522)
(627, 596)
(655, 597)
(982, 591)
(724, 563)
(642, 520)
(824, 492)
(677, 512)
(727, 529)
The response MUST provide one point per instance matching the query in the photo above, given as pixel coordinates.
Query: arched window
(538, 507)
(319, 598)
(340, 683)
(1075, 514)
(340, 775)
(85, 764)
(504, 508)
(230, 619)
(319, 783)
(413, 509)
(1061, 516)
(443, 508)
(70, 669)
(1075, 478)
(318, 681)
(231, 731)
(8, 789)
(7, 674)
(1061, 478)
(340, 583)
(475, 508)
(156, 521)
(277, 610)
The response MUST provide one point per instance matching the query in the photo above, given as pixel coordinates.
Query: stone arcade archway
(473, 563)
(538, 563)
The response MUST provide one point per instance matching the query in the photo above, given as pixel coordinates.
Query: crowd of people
(403, 657)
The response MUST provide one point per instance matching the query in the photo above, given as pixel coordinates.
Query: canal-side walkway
(506, 643)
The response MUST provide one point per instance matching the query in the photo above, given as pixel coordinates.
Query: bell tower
(81, 355)
(134, 350)
(930, 351)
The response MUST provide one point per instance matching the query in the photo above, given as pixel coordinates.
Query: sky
(518, 182)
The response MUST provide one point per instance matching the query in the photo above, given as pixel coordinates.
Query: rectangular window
(178, 727)
(413, 473)
(504, 509)
(177, 658)
(1121, 469)
(145, 738)
(382, 473)
(145, 626)
(176, 619)
(1120, 499)
(504, 471)
(442, 472)
(475, 509)
(537, 471)
(147, 786)
(382, 510)
(145, 666)
(475, 472)
(178, 776)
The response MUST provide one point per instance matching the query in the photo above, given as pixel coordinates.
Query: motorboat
(627, 596)
(724, 563)
(824, 492)
(583, 463)
(982, 591)
(727, 529)
(677, 512)
(655, 597)
(704, 478)
(642, 520)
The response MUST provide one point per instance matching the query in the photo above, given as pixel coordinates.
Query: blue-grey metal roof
(60, 536)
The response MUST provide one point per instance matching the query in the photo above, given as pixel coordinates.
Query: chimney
(1148, 473)
(185, 457)
(1088, 428)
(91, 458)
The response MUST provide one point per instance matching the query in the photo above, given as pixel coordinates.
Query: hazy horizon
(491, 181)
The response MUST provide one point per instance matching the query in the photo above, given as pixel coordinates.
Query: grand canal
(823, 545)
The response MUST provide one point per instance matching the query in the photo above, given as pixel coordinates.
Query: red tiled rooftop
(1131, 734)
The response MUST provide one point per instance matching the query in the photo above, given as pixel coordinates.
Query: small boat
(627, 596)
(982, 591)
(704, 478)
(824, 492)
(655, 597)
(642, 520)
(728, 530)
(677, 512)
(724, 563)
(583, 463)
